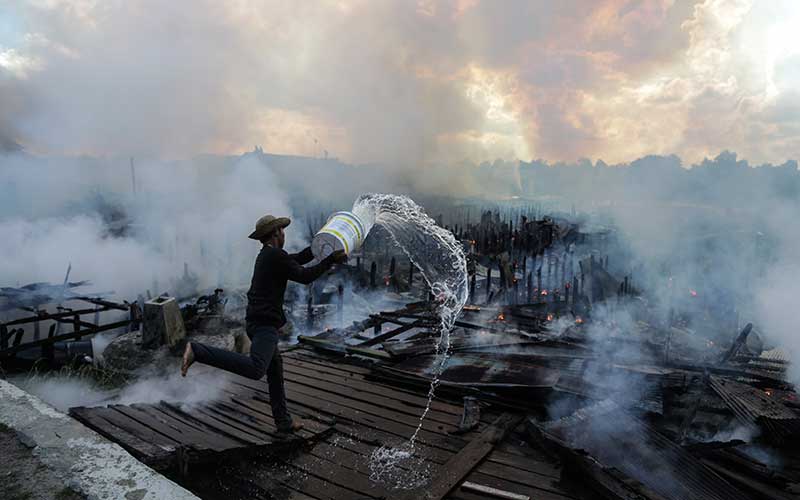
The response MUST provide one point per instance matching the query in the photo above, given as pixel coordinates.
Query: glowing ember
(544, 292)
(768, 392)
(501, 317)
(550, 317)
(578, 320)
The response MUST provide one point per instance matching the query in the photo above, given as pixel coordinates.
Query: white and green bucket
(343, 231)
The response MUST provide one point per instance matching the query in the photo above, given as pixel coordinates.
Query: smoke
(85, 212)
(64, 393)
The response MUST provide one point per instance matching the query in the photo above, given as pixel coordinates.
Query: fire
(544, 292)
(549, 316)
(501, 317)
(578, 320)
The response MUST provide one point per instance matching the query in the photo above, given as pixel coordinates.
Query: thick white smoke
(86, 213)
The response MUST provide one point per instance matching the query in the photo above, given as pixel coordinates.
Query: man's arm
(305, 275)
(303, 257)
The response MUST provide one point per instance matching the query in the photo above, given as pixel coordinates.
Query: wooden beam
(42, 316)
(341, 348)
(66, 336)
(460, 465)
(488, 491)
(391, 333)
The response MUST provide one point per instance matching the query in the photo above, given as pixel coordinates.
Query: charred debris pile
(633, 401)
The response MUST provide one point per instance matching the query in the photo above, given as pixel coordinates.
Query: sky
(403, 82)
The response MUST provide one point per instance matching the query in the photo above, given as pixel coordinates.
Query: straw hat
(267, 224)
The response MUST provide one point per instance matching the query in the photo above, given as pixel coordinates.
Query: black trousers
(265, 358)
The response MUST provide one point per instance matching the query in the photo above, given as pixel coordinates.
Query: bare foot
(296, 426)
(188, 358)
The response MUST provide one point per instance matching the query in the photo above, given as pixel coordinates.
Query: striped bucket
(343, 231)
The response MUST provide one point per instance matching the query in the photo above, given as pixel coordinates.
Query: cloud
(395, 82)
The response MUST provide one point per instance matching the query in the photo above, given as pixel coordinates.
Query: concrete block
(88, 463)
(162, 323)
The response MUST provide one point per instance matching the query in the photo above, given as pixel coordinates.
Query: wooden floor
(369, 414)
(169, 435)
(365, 413)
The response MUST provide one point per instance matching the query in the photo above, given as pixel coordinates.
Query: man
(265, 316)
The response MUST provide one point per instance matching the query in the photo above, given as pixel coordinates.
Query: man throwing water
(265, 316)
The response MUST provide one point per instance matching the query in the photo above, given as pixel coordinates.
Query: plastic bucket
(343, 231)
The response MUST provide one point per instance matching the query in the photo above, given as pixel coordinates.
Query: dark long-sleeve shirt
(273, 268)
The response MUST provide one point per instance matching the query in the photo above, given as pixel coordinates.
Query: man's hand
(339, 257)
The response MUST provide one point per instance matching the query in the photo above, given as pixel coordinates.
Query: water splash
(398, 467)
(443, 265)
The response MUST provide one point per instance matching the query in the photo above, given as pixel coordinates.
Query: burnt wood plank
(228, 424)
(357, 403)
(355, 456)
(178, 429)
(155, 455)
(460, 465)
(391, 333)
(355, 400)
(342, 469)
(217, 427)
(364, 387)
(524, 465)
(137, 428)
(298, 478)
(265, 422)
(371, 417)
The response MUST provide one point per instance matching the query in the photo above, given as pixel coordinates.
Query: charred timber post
(340, 304)
(488, 283)
(76, 325)
(3, 337)
(538, 283)
(472, 281)
(373, 271)
(548, 259)
(36, 324)
(574, 290)
(310, 309)
(529, 287)
(410, 275)
(48, 350)
(516, 290)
